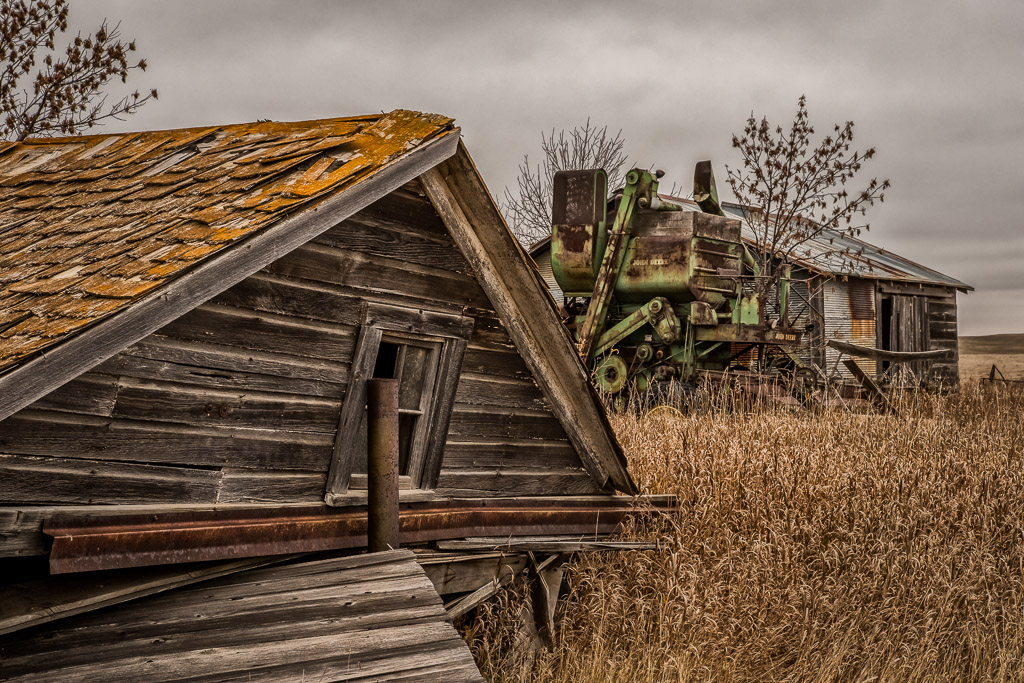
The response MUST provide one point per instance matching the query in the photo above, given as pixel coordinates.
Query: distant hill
(992, 343)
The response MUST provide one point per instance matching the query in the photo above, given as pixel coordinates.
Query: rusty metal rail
(112, 542)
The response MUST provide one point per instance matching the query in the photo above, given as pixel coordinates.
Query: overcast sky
(936, 86)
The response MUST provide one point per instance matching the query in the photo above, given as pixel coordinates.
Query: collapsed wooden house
(847, 290)
(188, 321)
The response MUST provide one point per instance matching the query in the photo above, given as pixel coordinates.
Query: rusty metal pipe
(382, 464)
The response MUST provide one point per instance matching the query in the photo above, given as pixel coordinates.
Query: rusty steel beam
(118, 541)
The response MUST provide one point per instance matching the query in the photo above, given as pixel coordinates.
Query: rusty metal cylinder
(382, 463)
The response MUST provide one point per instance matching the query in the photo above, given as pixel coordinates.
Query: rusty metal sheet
(62, 193)
(96, 542)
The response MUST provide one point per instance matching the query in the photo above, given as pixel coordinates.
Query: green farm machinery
(655, 293)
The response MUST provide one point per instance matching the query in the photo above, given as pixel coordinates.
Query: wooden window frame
(447, 332)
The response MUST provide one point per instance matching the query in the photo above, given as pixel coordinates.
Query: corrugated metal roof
(89, 225)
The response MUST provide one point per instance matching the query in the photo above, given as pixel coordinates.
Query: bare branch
(528, 208)
(65, 94)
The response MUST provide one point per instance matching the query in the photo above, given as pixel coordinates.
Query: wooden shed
(188, 320)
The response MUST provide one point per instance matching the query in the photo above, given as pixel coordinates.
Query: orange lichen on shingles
(90, 224)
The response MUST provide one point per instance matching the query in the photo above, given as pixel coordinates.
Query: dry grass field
(978, 354)
(808, 547)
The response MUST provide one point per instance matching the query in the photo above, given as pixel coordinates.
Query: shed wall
(849, 308)
(238, 401)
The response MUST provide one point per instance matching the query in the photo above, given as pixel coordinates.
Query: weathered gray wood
(191, 404)
(514, 483)
(219, 357)
(339, 472)
(469, 602)
(502, 363)
(516, 455)
(340, 619)
(125, 365)
(34, 432)
(404, 242)
(250, 329)
(470, 424)
(466, 573)
(33, 379)
(490, 390)
(294, 298)
(26, 479)
(524, 307)
(545, 585)
(30, 604)
(448, 373)
(271, 486)
(89, 394)
(352, 269)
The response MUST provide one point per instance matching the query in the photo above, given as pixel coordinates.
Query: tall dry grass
(808, 547)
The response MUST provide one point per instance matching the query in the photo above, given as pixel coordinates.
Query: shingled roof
(90, 225)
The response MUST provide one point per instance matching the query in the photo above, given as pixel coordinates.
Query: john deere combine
(655, 293)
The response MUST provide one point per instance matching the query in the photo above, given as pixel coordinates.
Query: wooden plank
(467, 424)
(35, 378)
(524, 307)
(388, 240)
(469, 572)
(514, 482)
(124, 365)
(383, 275)
(220, 357)
(88, 394)
(36, 432)
(881, 354)
(448, 372)
(271, 486)
(25, 479)
(404, 207)
(197, 405)
(500, 456)
(340, 471)
(249, 329)
(30, 604)
(335, 619)
(293, 298)
(501, 363)
(486, 390)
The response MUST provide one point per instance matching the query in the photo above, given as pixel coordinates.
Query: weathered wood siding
(942, 331)
(238, 401)
(368, 617)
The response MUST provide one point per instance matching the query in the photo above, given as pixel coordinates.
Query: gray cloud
(933, 85)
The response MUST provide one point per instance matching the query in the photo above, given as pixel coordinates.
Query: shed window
(423, 350)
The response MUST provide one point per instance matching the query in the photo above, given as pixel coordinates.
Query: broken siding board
(25, 479)
(33, 432)
(89, 394)
(196, 405)
(338, 619)
(249, 329)
(467, 573)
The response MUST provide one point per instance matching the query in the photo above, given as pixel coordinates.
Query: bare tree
(796, 193)
(528, 211)
(64, 95)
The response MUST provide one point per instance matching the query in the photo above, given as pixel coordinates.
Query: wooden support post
(382, 464)
(545, 583)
